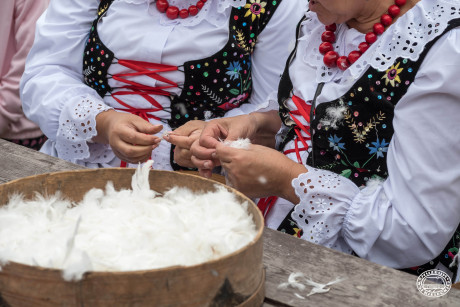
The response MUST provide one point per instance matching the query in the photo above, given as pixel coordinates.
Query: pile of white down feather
(124, 230)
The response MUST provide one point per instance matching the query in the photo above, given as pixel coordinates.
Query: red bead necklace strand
(172, 12)
(332, 58)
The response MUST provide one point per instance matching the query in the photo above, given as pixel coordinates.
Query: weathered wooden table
(366, 284)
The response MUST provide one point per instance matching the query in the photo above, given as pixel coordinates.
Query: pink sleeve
(19, 39)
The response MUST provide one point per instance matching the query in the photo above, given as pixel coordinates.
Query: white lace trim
(213, 11)
(77, 125)
(99, 153)
(322, 207)
(406, 38)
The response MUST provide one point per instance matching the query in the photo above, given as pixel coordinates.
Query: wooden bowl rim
(257, 238)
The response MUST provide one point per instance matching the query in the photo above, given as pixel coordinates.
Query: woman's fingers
(183, 157)
(179, 140)
(146, 127)
(139, 139)
(225, 153)
(183, 141)
(129, 152)
(203, 164)
(205, 173)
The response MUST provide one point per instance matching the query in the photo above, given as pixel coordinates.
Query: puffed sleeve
(52, 88)
(408, 219)
(270, 54)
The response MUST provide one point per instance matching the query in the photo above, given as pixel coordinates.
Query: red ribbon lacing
(303, 109)
(151, 70)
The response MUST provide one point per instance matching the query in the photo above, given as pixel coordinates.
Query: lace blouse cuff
(77, 125)
(325, 199)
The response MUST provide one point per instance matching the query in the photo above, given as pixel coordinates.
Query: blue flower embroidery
(334, 142)
(233, 70)
(379, 148)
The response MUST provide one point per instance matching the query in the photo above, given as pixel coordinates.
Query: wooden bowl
(236, 279)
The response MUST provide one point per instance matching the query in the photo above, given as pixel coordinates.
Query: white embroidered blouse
(407, 219)
(52, 88)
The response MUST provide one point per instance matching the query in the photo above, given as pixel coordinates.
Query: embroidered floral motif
(255, 8)
(233, 70)
(234, 102)
(379, 148)
(241, 38)
(392, 75)
(212, 85)
(432, 19)
(360, 132)
(370, 101)
(334, 141)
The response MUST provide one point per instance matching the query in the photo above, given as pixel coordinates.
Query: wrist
(292, 172)
(103, 121)
(265, 127)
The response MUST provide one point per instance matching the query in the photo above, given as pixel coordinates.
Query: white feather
(130, 229)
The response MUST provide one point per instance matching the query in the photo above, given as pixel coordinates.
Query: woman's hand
(183, 137)
(130, 136)
(259, 171)
(214, 132)
(259, 128)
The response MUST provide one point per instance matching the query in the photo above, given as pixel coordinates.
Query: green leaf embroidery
(247, 85)
(234, 91)
(346, 173)
(356, 164)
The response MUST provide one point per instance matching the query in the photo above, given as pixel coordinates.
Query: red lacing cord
(133, 88)
(265, 204)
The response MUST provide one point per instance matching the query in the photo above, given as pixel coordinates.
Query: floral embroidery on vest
(213, 85)
(358, 150)
(223, 81)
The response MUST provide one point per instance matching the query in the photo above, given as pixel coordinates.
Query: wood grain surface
(366, 284)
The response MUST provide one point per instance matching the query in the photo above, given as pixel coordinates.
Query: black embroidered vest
(212, 85)
(358, 150)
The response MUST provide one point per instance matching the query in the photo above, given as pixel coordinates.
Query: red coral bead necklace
(332, 58)
(172, 12)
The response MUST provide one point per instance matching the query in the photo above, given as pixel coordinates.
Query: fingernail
(166, 134)
(214, 155)
(207, 165)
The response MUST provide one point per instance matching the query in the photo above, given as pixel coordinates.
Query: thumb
(235, 134)
(232, 137)
(146, 127)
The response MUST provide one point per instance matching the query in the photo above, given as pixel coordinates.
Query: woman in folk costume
(370, 138)
(106, 78)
